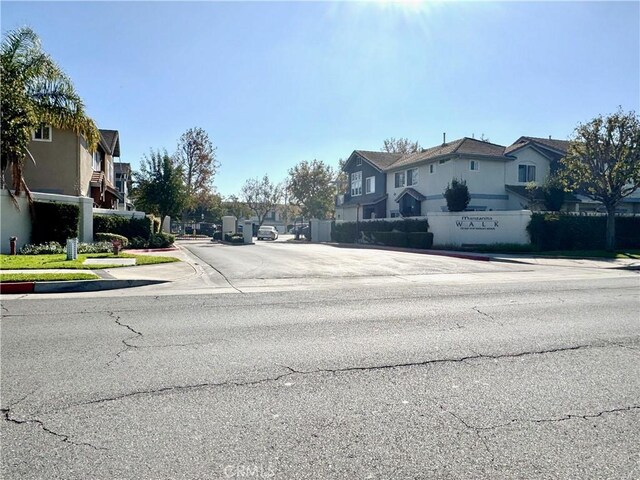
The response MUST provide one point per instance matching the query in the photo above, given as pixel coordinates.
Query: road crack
(491, 317)
(292, 371)
(475, 430)
(127, 346)
(6, 413)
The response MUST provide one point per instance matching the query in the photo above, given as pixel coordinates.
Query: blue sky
(275, 83)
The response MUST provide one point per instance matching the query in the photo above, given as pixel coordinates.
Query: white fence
(16, 222)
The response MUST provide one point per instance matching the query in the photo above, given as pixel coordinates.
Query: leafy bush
(54, 222)
(138, 242)
(109, 237)
(391, 239)
(217, 235)
(125, 226)
(42, 248)
(346, 232)
(554, 231)
(234, 238)
(457, 195)
(97, 247)
(161, 240)
(420, 239)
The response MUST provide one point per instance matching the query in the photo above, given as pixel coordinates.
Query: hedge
(348, 232)
(125, 226)
(110, 237)
(554, 231)
(54, 222)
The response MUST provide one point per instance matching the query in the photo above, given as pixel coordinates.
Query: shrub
(42, 248)
(125, 226)
(138, 242)
(161, 240)
(97, 247)
(348, 232)
(54, 222)
(110, 237)
(555, 231)
(457, 195)
(420, 239)
(234, 238)
(217, 235)
(391, 239)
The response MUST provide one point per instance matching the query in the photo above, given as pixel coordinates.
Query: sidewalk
(110, 278)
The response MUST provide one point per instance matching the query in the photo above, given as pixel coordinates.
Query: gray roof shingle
(381, 160)
(560, 146)
(111, 141)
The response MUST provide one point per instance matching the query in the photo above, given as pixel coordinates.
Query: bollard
(72, 249)
(12, 244)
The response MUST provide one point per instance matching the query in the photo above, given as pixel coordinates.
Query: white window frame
(432, 168)
(527, 170)
(398, 175)
(414, 177)
(358, 161)
(473, 163)
(356, 184)
(370, 185)
(41, 129)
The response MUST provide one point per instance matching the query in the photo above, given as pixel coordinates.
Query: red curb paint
(17, 287)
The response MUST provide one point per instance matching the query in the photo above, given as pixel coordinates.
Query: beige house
(65, 166)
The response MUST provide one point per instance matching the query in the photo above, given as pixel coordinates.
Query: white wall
(527, 156)
(17, 222)
(479, 228)
(486, 185)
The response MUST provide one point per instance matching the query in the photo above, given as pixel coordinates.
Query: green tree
(261, 196)
(312, 188)
(158, 186)
(457, 195)
(196, 157)
(603, 162)
(553, 193)
(34, 91)
(208, 207)
(401, 145)
(232, 205)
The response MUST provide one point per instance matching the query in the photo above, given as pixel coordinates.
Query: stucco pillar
(85, 224)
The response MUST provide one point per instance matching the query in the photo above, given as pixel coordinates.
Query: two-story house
(366, 195)
(498, 178)
(64, 165)
(123, 181)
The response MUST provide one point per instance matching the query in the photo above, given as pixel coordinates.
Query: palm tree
(34, 91)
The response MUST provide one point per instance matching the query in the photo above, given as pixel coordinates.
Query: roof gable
(553, 146)
(379, 160)
(110, 141)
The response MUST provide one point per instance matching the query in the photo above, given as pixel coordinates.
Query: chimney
(444, 137)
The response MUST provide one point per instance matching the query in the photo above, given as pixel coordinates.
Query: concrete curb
(73, 286)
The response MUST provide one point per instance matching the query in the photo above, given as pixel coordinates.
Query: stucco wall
(56, 165)
(86, 168)
(479, 228)
(486, 185)
(17, 222)
(527, 156)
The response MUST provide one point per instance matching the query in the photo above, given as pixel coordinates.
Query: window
(97, 161)
(474, 165)
(395, 214)
(526, 173)
(432, 168)
(358, 161)
(399, 178)
(42, 133)
(412, 177)
(356, 184)
(370, 185)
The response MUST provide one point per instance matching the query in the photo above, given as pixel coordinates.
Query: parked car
(267, 233)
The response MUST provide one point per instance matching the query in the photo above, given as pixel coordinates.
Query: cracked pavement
(427, 380)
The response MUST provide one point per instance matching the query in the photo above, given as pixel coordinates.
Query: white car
(267, 233)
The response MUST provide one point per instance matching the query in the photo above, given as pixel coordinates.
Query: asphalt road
(424, 368)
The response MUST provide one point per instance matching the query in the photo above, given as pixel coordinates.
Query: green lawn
(633, 254)
(31, 262)
(45, 277)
